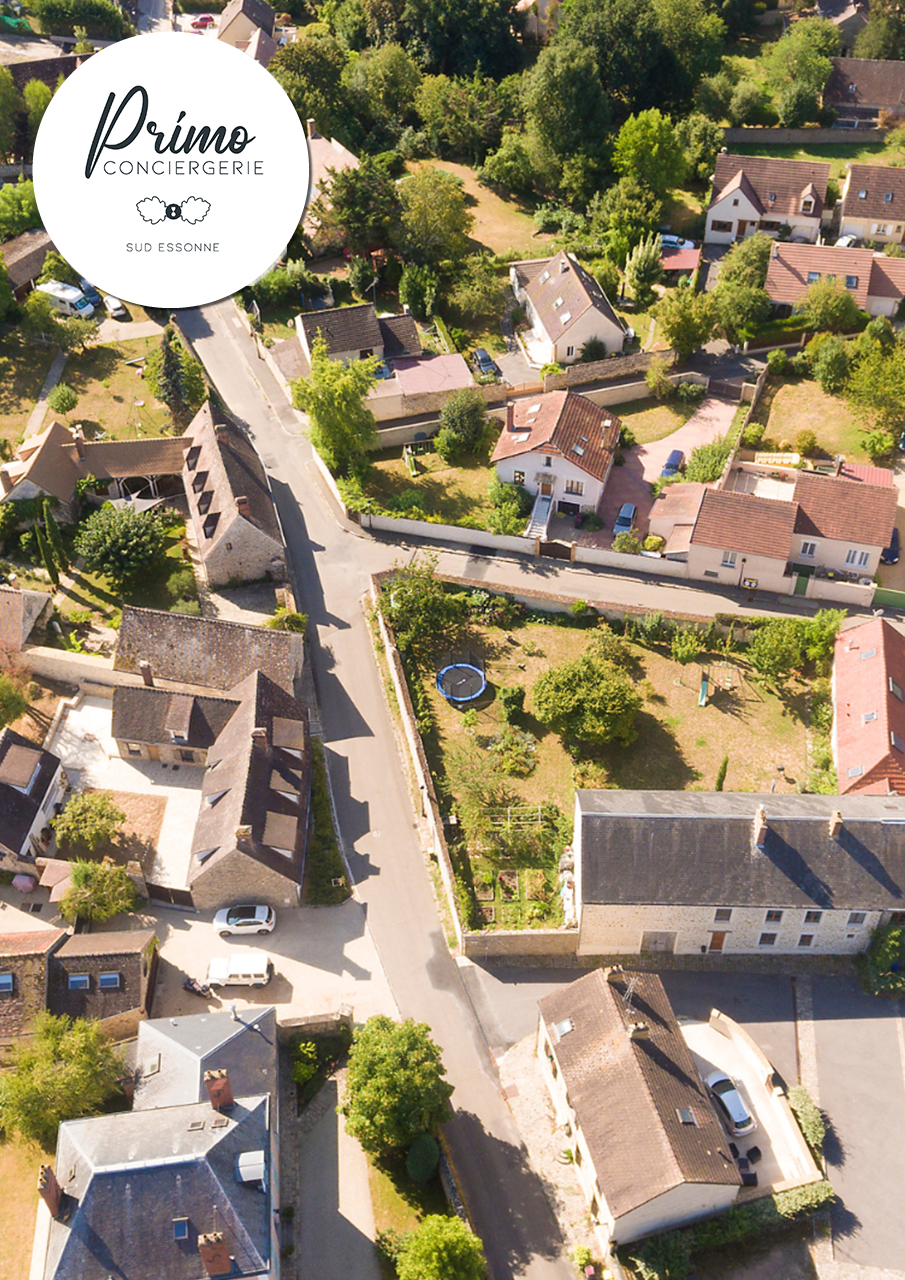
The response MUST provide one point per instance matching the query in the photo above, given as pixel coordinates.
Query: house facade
(565, 307)
(560, 447)
(876, 283)
(648, 1150)
(32, 787)
(869, 709)
(751, 193)
(107, 976)
(234, 517)
(697, 872)
(872, 203)
(24, 979)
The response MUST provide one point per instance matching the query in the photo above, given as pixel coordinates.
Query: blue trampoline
(461, 682)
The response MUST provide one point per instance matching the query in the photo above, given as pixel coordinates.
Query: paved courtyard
(91, 759)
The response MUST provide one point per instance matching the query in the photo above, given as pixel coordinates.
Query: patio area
(92, 761)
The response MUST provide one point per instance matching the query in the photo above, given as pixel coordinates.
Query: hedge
(883, 966)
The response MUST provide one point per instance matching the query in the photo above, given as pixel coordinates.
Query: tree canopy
(18, 208)
(342, 427)
(829, 307)
(361, 203)
(121, 543)
(395, 1090)
(649, 149)
(423, 614)
(588, 699)
(441, 1248)
(434, 217)
(99, 890)
(686, 319)
(69, 1068)
(90, 819)
(175, 377)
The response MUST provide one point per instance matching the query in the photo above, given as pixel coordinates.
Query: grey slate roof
(400, 336)
(143, 715)
(238, 790)
(206, 651)
(19, 807)
(625, 1093)
(126, 1176)
(19, 611)
(24, 256)
(174, 1053)
(696, 849)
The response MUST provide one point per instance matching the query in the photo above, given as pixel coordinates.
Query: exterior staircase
(540, 517)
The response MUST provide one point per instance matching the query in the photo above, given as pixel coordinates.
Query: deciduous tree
(564, 101)
(57, 268)
(686, 320)
(643, 270)
(480, 287)
(36, 96)
(18, 208)
(361, 203)
(624, 215)
(649, 149)
(589, 700)
(829, 307)
(10, 106)
(425, 617)
(99, 891)
(121, 543)
(311, 71)
(68, 1069)
(775, 649)
(441, 1248)
(342, 427)
(395, 1089)
(90, 819)
(876, 387)
(462, 38)
(435, 219)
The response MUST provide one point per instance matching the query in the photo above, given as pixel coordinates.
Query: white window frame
(729, 559)
(808, 550)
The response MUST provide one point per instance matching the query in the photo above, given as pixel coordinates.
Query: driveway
(643, 464)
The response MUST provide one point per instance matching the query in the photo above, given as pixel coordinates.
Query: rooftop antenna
(629, 992)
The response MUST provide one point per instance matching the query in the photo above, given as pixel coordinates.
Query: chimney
(614, 973)
(774, 251)
(222, 433)
(80, 443)
(49, 1189)
(564, 265)
(510, 416)
(146, 673)
(311, 129)
(258, 734)
(835, 824)
(214, 1254)
(219, 1089)
(760, 827)
(838, 463)
(638, 1031)
(243, 832)
(242, 505)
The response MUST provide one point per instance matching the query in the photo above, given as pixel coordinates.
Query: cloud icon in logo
(192, 210)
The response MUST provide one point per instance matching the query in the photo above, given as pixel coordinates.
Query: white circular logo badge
(171, 170)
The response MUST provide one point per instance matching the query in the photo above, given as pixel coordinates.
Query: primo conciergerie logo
(171, 170)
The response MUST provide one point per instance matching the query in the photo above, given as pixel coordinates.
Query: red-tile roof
(874, 191)
(562, 423)
(741, 522)
(867, 475)
(786, 180)
(673, 259)
(869, 715)
(792, 265)
(846, 510)
(34, 943)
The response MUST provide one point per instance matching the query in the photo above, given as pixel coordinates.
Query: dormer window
(807, 205)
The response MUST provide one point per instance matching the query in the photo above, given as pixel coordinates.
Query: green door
(801, 584)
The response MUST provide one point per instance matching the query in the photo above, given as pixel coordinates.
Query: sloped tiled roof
(41, 460)
(257, 11)
(343, 328)
(325, 153)
(846, 510)
(865, 82)
(626, 1093)
(141, 714)
(791, 265)
(563, 423)
(28, 944)
(561, 291)
(868, 716)
(740, 522)
(400, 336)
(206, 651)
(238, 798)
(24, 256)
(173, 1055)
(696, 848)
(19, 761)
(786, 180)
(884, 192)
(679, 502)
(95, 953)
(116, 459)
(19, 611)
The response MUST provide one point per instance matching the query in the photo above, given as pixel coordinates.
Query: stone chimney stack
(614, 973)
(259, 735)
(146, 673)
(510, 416)
(214, 1254)
(311, 129)
(242, 506)
(49, 1189)
(835, 824)
(222, 434)
(638, 1031)
(760, 827)
(80, 443)
(219, 1090)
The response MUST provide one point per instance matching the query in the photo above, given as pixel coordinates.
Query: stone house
(23, 259)
(251, 834)
(108, 976)
(32, 787)
(206, 652)
(24, 978)
(753, 193)
(858, 89)
(160, 724)
(184, 1186)
(561, 449)
(872, 204)
(234, 517)
(869, 710)
(849, 17)
(20, 613)
(648, 1149)
(355, 333)
(876, 283)
(565, 307)
(695, 872)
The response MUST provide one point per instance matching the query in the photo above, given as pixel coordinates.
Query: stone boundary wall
(315, 1024)
(786, 137)
(606, 370)
(450, 533)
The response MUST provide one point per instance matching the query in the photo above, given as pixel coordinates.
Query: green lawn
(449, 493)
(792, 405)
(19, 1163)
(650, 420)
(838, 154)
(399, 1204)
(502, 225)
(23, 368)
(112, 395)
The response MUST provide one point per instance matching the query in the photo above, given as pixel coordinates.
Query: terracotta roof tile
(784, 179)
(741, 522)
(563, 423)
(791, 267)
(877, 182)
(561, 291)
(868, 716)
(846, 510)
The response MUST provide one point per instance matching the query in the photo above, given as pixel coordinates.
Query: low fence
(752, 135)
(854, 593)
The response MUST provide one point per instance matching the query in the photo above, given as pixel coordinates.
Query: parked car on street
(202, 21)
(674, 464)
(733, 1112)
(890, 554)
(115, 309)
(625, 518)
(247, 918)
(484, 362)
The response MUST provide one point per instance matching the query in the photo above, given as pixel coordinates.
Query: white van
(243, 968)
(67, 298)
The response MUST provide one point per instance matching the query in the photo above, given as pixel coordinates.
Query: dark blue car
(674, 464)
(890, 555)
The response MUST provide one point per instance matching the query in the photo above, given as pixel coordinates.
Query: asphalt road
(506, 1200)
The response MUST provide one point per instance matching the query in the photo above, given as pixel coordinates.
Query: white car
(115, 309)
(846, 242)
(676, 242)
(732, 1110)
(247, 918)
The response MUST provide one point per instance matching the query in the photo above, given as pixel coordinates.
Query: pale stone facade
(240, 878)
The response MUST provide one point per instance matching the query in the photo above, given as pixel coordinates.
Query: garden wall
(814, 137)
(630, 563)
(327, 477)
(841, 592)
(530, 942)
(450, 533)
(609, 370)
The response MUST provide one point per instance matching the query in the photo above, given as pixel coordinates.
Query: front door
(546, 488)
(742, 228)
(716, 941)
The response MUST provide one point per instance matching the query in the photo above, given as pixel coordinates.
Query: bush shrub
(721, 774)
(423, 1159)
(690, 394)
(806, 443)
(778, 361)
(512, 702)
(883, 966)
(517, 752)
(810, 1118)
(753, 434)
